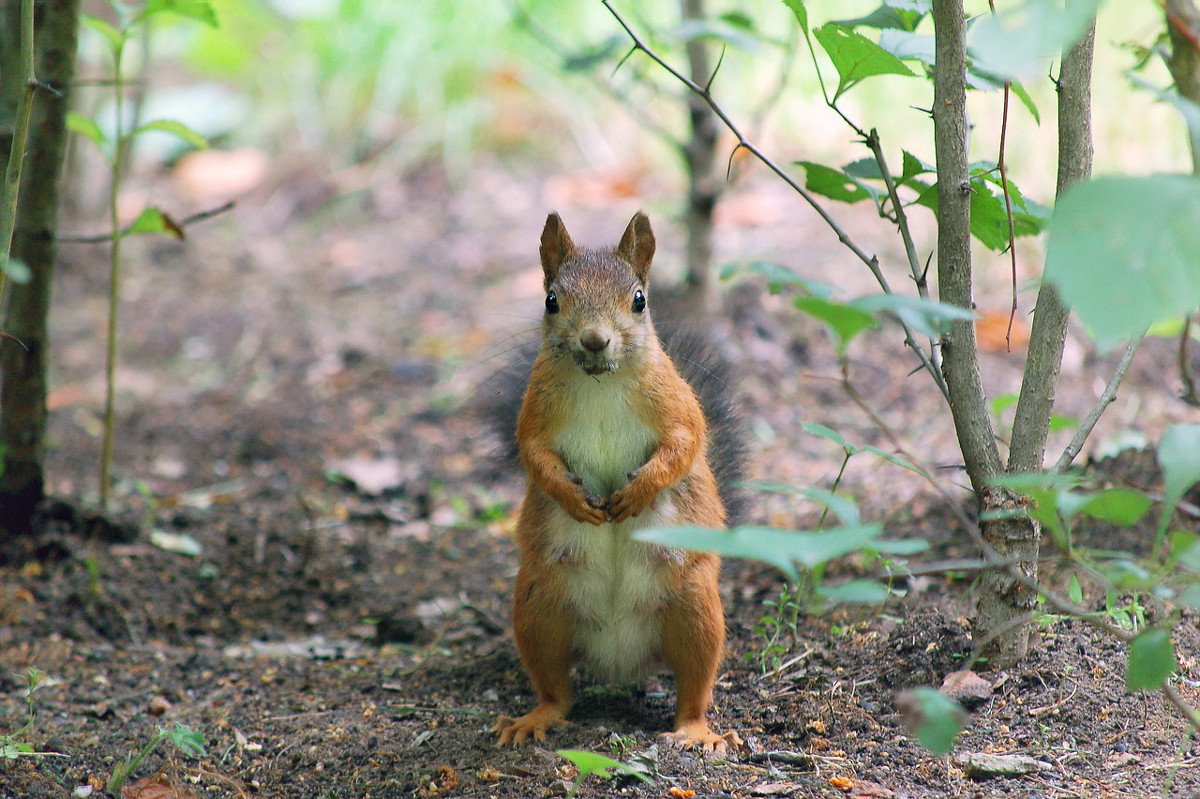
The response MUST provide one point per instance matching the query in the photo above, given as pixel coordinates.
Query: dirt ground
(296, 391)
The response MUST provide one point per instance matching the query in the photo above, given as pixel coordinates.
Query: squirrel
(614, 439)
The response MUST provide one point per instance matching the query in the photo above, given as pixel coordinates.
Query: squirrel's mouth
(594, 365)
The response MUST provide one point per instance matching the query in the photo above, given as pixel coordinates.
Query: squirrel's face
(596, 313)
(596, 310)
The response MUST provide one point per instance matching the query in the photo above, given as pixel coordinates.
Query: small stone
(158, 706)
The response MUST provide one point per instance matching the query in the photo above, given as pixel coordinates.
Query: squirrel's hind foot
(530, 727)
(696, 735)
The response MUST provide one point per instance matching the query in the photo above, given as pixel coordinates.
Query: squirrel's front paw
(584, 506)
(628, 501)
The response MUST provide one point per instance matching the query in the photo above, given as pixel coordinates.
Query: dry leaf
(967, 688)
(841, 783)
(157, 787)
(991, 329)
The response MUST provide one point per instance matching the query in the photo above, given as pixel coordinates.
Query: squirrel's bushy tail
(700, 364)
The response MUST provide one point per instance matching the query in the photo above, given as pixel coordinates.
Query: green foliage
(941, 720)
(1180, 463)
(590, 763)
(1151, 660)
(1020, 40)
(783, 549)
(11, 748)
(855, 57)
(184, 738)
(1122, 250)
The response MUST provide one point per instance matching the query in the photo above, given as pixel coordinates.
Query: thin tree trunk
(1001, 620)
(700, 153)
(1183, 27)
(23, 371)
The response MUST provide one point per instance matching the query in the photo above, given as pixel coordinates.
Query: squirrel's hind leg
(693, 644)
(542, 628)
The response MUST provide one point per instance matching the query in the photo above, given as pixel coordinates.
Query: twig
(1106, 398)
(100, 238)
(1008, 212)
(871, 262)
(1186, 376)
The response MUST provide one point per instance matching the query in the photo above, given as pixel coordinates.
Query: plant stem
(16, 156)
(114, 281)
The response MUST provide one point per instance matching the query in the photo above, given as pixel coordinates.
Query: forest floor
(314, 568)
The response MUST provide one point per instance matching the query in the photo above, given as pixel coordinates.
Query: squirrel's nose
(593, 341)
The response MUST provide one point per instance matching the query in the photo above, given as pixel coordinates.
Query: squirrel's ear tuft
(556, 247)
(637, 245)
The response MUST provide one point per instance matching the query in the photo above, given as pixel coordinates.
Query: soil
(298, 388)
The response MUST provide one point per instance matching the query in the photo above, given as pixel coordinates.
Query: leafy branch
(743, 143)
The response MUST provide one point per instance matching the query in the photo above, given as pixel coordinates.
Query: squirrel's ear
(637, 245)
(556, 247)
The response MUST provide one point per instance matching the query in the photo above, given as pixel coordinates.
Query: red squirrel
(613, 439)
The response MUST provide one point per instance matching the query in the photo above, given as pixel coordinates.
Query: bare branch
(1106, 398)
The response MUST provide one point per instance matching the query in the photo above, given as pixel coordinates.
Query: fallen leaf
(179, 543)
(871, 790)
(370, 476)
(841, 783)
(991, 330)
(157, 787)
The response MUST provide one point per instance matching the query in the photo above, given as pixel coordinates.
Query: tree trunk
(1183, 28)
(23, 371)
(1002, 614)
(700, 153)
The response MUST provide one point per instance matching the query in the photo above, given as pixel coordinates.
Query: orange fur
(612, 439)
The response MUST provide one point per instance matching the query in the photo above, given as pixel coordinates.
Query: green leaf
(855, 57)
(928, 317)
(797, 7)
(1179, 459)
(822, 431)
(1018, 42)
(116, 38)
(1151, 660)
(906, 45)
(942, 721)
(1003, 402)
(1060, 421)
(593, 57)
(778, 277)
(835, 184)
(1026, 100)
(1123, 506)
(1075, 590)
(1190, 596)
(1122, 250)
(843, 320)
(913, 166)
(895, 460)
(590, 763)
(199, 10)
(86, 126)
(858, 592)
(782, 549)
(989, 216)
(177, 129)
(186, 740)
(17, 271)
(718, 30)
(843, 507)
(152, 220)
(900, 16)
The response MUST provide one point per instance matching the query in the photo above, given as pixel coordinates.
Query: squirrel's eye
(639, 301)
(551, 303)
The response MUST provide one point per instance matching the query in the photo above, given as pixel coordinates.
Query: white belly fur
(617, 586)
